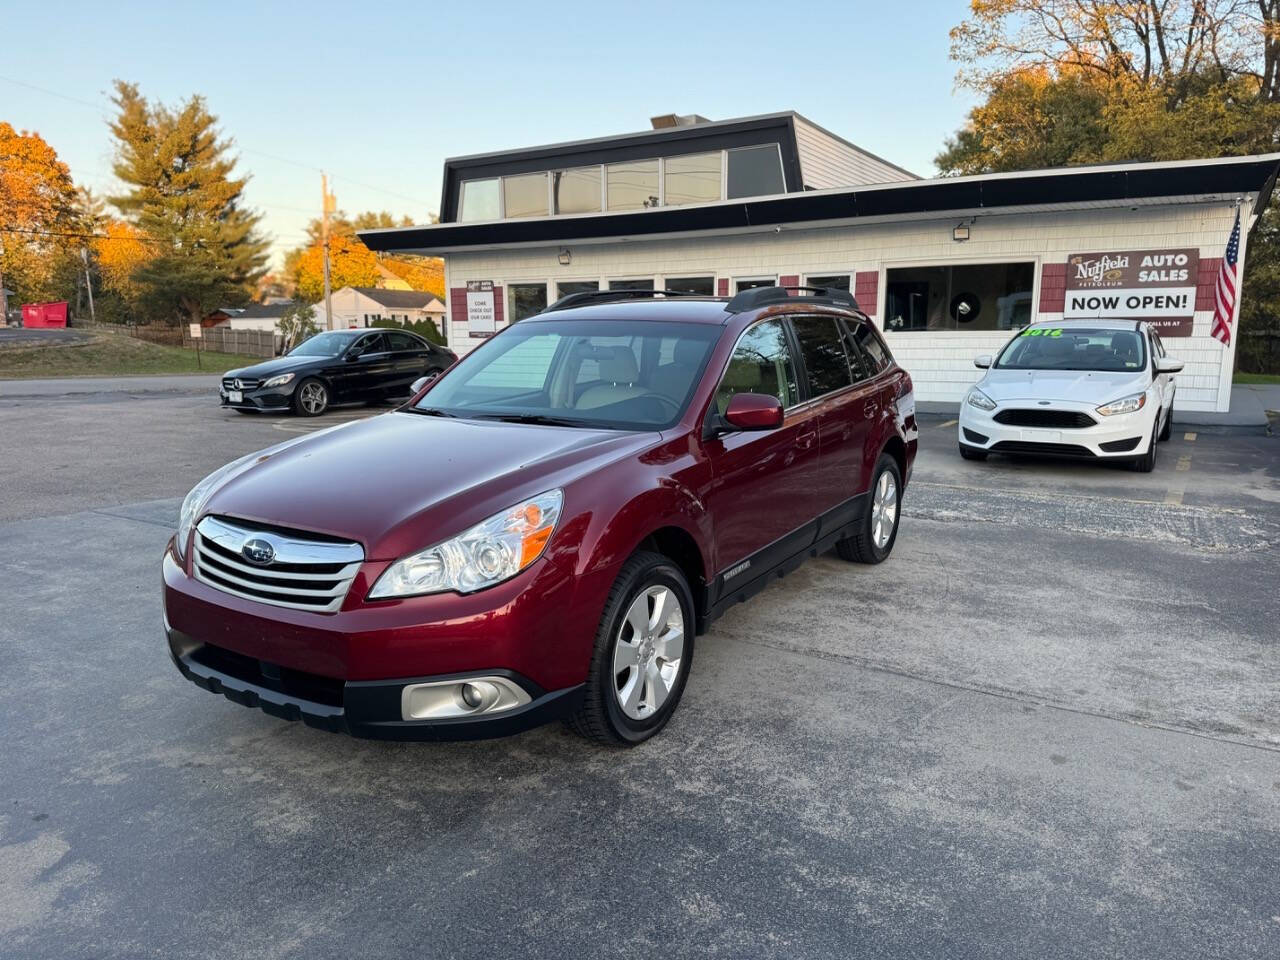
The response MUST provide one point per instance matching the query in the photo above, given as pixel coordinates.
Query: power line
(259, 153)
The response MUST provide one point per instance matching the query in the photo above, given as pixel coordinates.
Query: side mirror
(1168, 365)
(754, 411)
(422, 382)
(982, 362)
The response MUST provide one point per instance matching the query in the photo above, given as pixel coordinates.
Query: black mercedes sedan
(339, 366)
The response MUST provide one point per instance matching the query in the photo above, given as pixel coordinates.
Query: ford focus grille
(1068, 419)
(271, 567)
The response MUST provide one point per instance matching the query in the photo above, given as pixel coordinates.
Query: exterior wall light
(565, 257)
(960, 232)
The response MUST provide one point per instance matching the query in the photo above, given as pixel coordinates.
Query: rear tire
(643, 651)
(972, 453)
(1147, 462)
(878, 528)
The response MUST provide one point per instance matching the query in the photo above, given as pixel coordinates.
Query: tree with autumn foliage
(1087, 81)
(203, 245)
(353, 264)
(37, 214)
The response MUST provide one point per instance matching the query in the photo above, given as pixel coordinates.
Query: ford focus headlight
(487, 554)
(279, 381)
(979, 399)
(1124, 405)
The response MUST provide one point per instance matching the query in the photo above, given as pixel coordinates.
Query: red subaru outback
(541, 532)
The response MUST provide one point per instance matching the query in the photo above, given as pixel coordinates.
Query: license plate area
(1042, 436)
(235, 396)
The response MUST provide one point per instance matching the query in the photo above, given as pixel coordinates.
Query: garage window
(971, 296)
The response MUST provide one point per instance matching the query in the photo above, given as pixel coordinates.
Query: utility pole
(4, 297)
(327, 207)
(88, 283)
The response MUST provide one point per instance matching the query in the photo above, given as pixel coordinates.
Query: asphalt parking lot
(1048, 727)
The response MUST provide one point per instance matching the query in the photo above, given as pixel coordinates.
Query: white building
(364, 306)
(946, 267)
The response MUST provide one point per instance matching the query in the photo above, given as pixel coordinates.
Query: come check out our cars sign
(1158, 286)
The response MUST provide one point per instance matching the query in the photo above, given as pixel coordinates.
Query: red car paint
(398, 483)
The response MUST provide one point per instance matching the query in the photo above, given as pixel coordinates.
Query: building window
(631, 284)
(527, 299)
(525, 195)
(576, 191)
(481, 200)
(754, 172)
(694, 178)
(702, 286)
(632, 186)
(836, 281)
(750, 283)
(566, 287)
(971, 296)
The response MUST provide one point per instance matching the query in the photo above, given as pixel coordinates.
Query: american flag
(1224, 301)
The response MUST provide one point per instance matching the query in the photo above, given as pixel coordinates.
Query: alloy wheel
(312, 398)
(648, 651)
(884, 510)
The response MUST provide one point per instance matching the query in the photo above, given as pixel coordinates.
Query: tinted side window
(873, 349)
(761, 363)
(402, 341)
(825, 363)
(374, 344)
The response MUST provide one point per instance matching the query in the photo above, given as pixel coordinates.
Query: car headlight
(279, 381)
(979, 399)
(194, 500)
(1124, 405)
(487, 554)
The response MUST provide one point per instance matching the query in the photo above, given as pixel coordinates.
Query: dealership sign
(1158, 286)
(481, 320)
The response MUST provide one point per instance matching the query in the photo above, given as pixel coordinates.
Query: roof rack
(608, 296)
(763, 296)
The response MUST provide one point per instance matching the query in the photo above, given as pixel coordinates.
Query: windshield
(1074, 348)
(322, 345)
(589, 373)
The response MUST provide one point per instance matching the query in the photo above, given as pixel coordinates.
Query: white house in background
(364, 306)
(256, 316)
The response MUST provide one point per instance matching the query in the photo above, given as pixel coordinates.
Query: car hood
(269, 368)
(400, 482)
(1081, 386)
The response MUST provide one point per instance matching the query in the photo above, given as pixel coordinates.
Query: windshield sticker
(1042, 332)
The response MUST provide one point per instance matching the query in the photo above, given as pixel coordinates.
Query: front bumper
(264, 398)
(1120, 437)
(345, 671)
(367, 709)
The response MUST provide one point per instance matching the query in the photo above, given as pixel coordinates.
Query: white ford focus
(1078, 388)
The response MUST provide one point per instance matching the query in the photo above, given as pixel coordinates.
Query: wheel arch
(679, 545)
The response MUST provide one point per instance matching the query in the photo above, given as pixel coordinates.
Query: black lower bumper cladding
(368, 709)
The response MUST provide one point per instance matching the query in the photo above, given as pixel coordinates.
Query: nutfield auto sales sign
(1158, 286)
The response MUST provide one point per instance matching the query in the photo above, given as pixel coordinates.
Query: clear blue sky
(379, 94)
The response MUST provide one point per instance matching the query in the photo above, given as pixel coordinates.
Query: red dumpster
(45, 314)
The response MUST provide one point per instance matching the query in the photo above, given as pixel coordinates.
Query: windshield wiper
(429, 412)
(537, 418)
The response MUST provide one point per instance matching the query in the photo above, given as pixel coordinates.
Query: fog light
(440, 699)
(472, 695)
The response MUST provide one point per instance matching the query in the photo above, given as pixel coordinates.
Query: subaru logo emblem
(258, 551)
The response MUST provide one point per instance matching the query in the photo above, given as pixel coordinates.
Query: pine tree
(185, 200)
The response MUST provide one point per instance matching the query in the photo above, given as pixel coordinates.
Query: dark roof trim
(397, 298)
(1065, 187)
(669, 142)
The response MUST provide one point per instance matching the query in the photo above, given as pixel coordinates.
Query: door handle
(805, 440)
(870, 409)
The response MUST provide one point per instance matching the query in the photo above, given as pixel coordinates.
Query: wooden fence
(253, 343)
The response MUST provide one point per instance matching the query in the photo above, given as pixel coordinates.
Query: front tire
(1147, 462)
(878, 529)
(643, 650)
(311, 398)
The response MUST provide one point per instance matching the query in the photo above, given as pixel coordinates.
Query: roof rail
(763, 296)
(607, 296)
